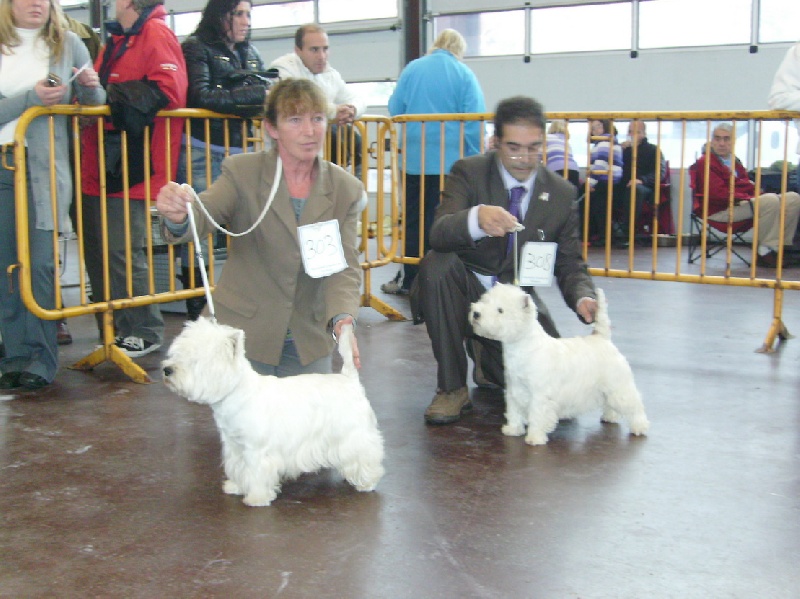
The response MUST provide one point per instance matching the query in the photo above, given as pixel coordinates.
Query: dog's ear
(236, 339)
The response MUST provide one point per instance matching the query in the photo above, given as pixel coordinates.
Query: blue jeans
(30, 342)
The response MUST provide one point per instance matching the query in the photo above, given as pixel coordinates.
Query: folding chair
(716, 231)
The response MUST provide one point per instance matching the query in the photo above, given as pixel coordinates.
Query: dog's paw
(610, 417)
(536, 438)
(231, 488)
(258, 499)
(513, 430)
(640, 426)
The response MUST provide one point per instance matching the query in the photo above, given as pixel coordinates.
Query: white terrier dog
(276, 428)
(548, 379)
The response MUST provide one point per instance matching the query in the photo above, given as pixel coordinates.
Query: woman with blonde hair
(437, 83)
(452, 41)
(41, 64)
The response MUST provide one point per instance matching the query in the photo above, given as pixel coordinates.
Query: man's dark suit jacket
(477, 180)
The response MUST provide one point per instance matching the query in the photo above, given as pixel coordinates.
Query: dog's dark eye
(500, 310)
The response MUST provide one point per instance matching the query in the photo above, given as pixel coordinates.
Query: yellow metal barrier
(105, 306)
(649, 262)
(378, 141)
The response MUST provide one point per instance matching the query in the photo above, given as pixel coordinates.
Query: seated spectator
(720, 164)
(645, 182)
(605, 170)
(559, 153)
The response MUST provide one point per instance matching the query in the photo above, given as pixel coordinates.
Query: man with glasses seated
(484, 199)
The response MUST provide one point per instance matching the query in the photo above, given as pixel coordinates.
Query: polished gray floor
(109, 488)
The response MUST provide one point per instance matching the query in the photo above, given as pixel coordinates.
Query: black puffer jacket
(217, 82)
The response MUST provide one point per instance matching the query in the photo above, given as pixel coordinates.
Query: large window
(185, 23)
(331, 11)
(282, 15)
(488, 33)
(609, 26)
(671, 23)
(780, 21)
(581, 28)
(290, 14)
(374, 93)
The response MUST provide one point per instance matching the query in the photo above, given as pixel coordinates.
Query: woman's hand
(49, 94)
(87, 77)
(172, 203)
(337, 330)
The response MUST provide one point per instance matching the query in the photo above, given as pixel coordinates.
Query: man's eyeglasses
(518, 152)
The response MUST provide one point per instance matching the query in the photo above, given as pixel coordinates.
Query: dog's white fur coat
(276, 428)
(548, 379)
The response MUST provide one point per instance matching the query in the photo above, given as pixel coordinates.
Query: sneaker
(447, 406)
(136, 347)
(63, 336)
(395, 287)
(117, 341)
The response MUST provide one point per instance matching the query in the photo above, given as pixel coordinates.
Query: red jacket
(719, 179)
(156, 54)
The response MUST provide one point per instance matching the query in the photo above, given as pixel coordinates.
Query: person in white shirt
(785, 92)
(310, 61)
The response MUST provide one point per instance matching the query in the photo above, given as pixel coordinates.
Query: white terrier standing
(276, 428)
(548, 379)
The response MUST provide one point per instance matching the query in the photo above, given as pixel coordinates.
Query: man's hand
(345, 113)
(496, 221)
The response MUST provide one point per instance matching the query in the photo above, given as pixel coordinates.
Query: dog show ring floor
(111, 488)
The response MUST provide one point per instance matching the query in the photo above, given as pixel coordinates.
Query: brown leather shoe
(447, 406)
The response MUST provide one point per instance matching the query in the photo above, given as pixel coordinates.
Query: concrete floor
(109, 488)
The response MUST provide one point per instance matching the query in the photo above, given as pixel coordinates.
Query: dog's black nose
(476, 315)
(167, 370)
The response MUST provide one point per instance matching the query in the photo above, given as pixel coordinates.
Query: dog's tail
(346, 351)
(602, 324)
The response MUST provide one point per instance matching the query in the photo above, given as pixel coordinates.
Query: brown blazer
(263, 288)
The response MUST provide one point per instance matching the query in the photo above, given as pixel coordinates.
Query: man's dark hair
(301, 33)
(215, 15)
(518, 110)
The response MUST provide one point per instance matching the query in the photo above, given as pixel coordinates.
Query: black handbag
(114, 163)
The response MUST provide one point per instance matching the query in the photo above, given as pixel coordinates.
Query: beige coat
(263, 288)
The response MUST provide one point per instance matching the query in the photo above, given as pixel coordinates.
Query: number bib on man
(321, 249)
(537, 263)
